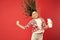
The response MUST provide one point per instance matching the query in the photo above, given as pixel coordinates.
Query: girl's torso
(37, 25)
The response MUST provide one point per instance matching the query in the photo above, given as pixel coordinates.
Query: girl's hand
(49, 21)
(17, 22)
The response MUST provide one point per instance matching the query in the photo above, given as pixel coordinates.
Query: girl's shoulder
(41, 18)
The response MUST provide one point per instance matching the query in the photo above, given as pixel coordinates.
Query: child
(37, 23)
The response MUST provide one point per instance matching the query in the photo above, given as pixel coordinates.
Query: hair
(30, 6)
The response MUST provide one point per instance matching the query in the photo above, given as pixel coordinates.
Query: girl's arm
(48, 25)
(23, 27)
(45, 26)
(19, 25)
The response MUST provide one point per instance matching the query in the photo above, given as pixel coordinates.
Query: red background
(11, 11)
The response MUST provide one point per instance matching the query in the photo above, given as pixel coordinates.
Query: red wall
(11, 11)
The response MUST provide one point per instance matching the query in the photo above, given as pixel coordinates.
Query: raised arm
(19, 25)
(49, 22)
(48, 25)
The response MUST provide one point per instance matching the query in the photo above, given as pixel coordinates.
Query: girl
(37, 22)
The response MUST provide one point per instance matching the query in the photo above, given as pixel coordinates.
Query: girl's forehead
(34, 12)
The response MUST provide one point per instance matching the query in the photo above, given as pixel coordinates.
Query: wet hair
(30, 6)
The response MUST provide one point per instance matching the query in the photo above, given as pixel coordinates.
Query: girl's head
(34, 14)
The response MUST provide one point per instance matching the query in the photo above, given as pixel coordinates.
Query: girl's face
(34, 15)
